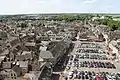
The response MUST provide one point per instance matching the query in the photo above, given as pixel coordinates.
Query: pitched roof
(13, 41)
(33, 75)
(51, 45)
(12, 56)
(49, 32)
(23, 64)
(113, 35)
(23, 48)
(5, 72)
(2, 58)
(17, 70)
(59, 48)
(7, 65)
(36, 66)
(3, 34)
(28, 56)
(103, 28)
(20, 57)
(29, 44)
(46, 54)
(45, 42)
(43, 48)
(40, 58)
(26, 52)
(5, 52)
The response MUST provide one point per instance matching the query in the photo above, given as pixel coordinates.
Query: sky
(58, 6)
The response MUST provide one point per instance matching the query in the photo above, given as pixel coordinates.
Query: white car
(69, 63)
(68, 67)
(70, 74)
(85, 72)
(113, 76)
(109, 77)
(118, 75)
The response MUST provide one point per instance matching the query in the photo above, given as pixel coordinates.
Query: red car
(98, 77)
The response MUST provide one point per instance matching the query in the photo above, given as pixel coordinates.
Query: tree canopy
(112, 24)
(70, 17)
(22, 25)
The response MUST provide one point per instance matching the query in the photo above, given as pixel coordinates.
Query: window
(11, 74)
(14, 75)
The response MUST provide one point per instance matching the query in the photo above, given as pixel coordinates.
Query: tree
(22, 25)
(69, 17)
(112, 24)
(109, 17)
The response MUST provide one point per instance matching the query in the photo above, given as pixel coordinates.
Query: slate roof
(17, 70)
(51, 45)
(13, 41)
(5, 52)
(23, 48)
(2, 58)
(36, 66)
(23, 64)
(29, 44)
(59, 48)
(115, 44)
(26, 52)
(7, 65)
(33, 75)
(118, 47)
(46, 54)
(113, 35)
(40, 58)
(28, 56)
(5, 72)
(55, 50)
(20, 57)
(103, 28)
(3, 34)
(45, 43)
(2, 42)
(44, 38)
(12, 56)
(44, 48)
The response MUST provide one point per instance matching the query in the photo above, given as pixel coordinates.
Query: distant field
(117, 19)
(114, 15)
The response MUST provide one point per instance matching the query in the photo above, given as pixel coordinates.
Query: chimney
(18, 64)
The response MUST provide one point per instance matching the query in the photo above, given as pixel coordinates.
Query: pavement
(65, 72)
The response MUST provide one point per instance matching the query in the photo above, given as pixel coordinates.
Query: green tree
(22, 25)
(70, 17)
(113, 25)
(109, 17)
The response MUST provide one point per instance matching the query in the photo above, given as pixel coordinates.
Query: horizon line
(57, 13)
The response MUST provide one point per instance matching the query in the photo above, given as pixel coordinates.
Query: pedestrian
(62, 74)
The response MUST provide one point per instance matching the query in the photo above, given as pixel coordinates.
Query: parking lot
(89, 61)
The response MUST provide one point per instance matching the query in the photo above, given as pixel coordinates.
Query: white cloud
(89, 1)
(56, 6)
